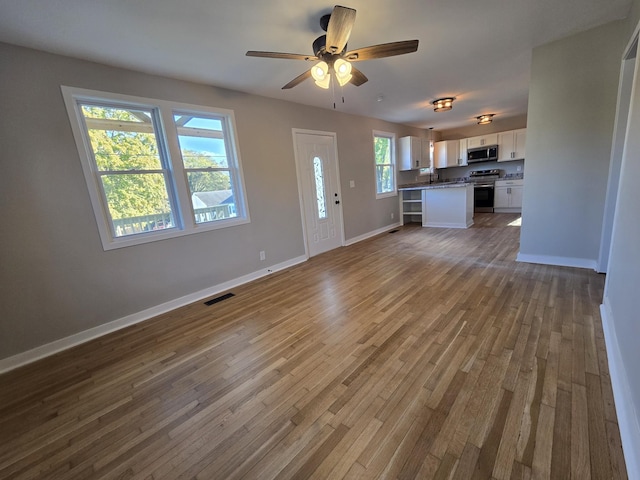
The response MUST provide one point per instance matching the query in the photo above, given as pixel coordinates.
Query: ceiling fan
(330, 51)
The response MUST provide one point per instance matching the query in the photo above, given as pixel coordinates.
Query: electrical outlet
(391, 215)
(352, 183)
(263, 255)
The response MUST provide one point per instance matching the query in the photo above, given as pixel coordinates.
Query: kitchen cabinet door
(446, 153)
(500, 198)
(511, 145)
(462, 152)
(506, 146)
(515, 200)
(412, 153)
(426, 159)
(508, 196)
(482, 140)
(520, 139)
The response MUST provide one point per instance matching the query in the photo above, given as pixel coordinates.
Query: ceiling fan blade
(339, 28)
(381, 51)
(357, 77)
(287, 56)
(299, 79)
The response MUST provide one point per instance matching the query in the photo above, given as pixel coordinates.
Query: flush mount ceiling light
(485, 119)
(443, 104)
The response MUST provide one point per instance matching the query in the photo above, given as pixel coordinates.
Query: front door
(317, 167)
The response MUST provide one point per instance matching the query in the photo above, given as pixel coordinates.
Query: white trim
(447, 225)
(303, 213)
(366, 236)
(179, 196)
(628, 421)
(38, 353)
(559, 261)
(618, 141)
(394, 169)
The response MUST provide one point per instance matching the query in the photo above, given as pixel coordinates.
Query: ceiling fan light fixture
(343, 71)
(443, 104)
(330, 51)
(320, 73)
(485, 119)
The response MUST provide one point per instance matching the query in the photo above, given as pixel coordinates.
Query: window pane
(201, 141)
(121, 138)
(319, 180)
(136, 186)
(137, 202)
(211, 196)
(384, 178)
(124, 140)
(382, 146)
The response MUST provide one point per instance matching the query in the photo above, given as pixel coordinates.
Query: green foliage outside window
(384, 170)
(129, 150)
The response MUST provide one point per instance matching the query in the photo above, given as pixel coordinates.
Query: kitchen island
(445, 205)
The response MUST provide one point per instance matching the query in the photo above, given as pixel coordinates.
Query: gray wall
(56, 279)
(572, 100)
(473, 129)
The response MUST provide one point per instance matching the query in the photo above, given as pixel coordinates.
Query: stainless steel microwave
(482, 154)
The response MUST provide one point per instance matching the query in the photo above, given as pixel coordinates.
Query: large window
(156, 169)
(385, 163)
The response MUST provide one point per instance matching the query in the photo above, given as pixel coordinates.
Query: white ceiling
(476, 50)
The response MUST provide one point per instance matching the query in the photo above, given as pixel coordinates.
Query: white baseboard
(628, 420)
(559, 261)
(360, 238)
(15, 361)
(448, 225)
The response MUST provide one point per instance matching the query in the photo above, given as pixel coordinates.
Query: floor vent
(393, 231)
(219, 299)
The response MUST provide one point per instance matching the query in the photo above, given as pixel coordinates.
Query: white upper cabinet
(413, 153)
(482, 140)
(446, 153)
(511, 145)
(462, 152)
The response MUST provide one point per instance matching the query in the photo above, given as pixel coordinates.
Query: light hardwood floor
(425, 353)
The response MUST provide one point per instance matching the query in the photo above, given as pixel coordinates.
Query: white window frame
(392, 142)
(177, 185)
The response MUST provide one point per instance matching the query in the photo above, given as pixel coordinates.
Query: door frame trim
(303, 215)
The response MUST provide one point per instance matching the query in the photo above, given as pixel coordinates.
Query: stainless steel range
(483, 189)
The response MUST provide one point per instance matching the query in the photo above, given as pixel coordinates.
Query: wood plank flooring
(425, 353)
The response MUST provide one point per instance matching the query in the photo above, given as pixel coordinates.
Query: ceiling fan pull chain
(333, 92)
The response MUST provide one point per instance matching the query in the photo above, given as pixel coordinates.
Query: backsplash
(508, 170)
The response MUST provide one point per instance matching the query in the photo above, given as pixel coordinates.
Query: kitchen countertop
(431, 186)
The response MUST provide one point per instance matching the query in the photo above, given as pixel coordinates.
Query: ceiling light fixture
(321, 73)
(343, 71)
(443, 104)
(485, 119)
